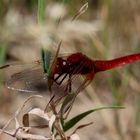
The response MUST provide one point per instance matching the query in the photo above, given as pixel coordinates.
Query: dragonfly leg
(81, 87)
(60, 82)
(4, 66)
(70, 85)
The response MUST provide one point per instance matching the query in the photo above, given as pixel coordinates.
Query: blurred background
(108, 29)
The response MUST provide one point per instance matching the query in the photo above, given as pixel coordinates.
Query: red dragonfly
(80, 64)
(65, 71)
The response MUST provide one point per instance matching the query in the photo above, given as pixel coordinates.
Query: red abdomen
(102, 65)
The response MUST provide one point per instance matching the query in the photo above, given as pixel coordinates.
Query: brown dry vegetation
(108, 29)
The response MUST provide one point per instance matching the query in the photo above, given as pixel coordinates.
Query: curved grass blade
(82, 10)
(65, 106)
(52, 67)
(82, 126)
(69, 124)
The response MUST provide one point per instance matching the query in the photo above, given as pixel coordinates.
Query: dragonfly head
(62, 66)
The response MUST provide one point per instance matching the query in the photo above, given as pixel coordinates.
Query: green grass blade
(66, 105)
(79, 117)
(65, 1)
(3, 50)
(41, 10)
(46, 58)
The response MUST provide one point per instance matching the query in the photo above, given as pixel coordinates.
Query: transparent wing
(33, 79)
(27, 80)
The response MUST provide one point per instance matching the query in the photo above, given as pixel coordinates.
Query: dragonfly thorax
(76, 63)
(79, 64)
